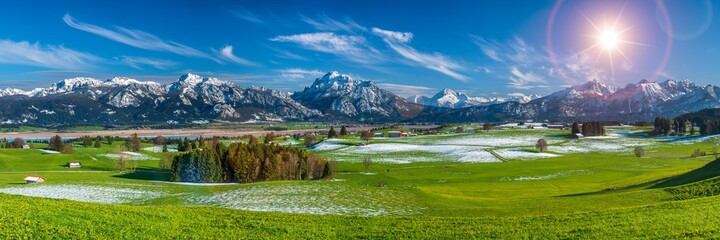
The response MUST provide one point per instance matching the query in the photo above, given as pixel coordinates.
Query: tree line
(251, 162)
(588, 129)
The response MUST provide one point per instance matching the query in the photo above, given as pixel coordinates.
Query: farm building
(73, 165)
(26, 146)
(394, 134)
(34, 179)
(379, 135)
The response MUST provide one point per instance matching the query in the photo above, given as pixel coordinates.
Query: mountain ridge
(335, 97)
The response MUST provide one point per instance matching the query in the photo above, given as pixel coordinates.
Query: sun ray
(624, 56)
(617, 20)
(610, 38)
(590, 21)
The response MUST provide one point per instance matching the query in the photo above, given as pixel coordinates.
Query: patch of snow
(197, 184)
(459, 153)
(48, 151)
(158, 149)
(316, 198)
(129, 156)
(522, 154)
(330, 144)
(497, 141)
(85, 193)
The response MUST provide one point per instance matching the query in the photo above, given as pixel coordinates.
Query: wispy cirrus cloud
(351, 47)
(34, 54)
(246, 15)
(137, 38)
(525, 80)
(398, 41)
(408, 90)
(325, 23)
(139, 62)
(527, 67)
(299, 73)
(226, 53)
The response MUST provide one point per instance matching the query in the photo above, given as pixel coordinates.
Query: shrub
(639, 151)
(541, 145)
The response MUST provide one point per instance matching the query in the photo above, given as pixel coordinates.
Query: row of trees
(588, 129)
(710, 126)
(665, 126)
(249, 163)
(333, 134)
(16, 143)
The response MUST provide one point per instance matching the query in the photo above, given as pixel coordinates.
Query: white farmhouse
(34, 179)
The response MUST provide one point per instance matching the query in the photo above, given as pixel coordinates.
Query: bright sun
(609, 39)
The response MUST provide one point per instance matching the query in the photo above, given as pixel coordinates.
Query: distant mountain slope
(342, 96)
(125, 101)
(594, 100)
(454, 99)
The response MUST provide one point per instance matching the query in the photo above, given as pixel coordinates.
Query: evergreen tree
(164, 148)
(343, 131)
(332, 133)
(201, 142)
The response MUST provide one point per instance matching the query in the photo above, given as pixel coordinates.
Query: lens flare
(609, 39)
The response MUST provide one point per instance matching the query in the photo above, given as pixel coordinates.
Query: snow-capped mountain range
(342, 95)
(454, 99)
(334, 96)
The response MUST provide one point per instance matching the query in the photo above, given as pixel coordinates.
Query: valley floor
(455, 185)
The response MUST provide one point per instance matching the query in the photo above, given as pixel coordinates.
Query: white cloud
(533, 68)
(434, 61)
(403, 37)
(354, 48)
(516, 94)
(407, 90)
(325, 23)
(33, 54)
(299, 73)
(138, 62)
(136, 38)
(226, 53)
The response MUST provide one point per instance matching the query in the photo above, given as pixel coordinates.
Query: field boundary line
(501, 158)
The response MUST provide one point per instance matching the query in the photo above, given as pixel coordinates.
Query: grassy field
(456, 185)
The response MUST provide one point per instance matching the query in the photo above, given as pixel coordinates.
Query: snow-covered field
(397, 160)
(84, 193)
(316, 198)
(330, 144)
(545, 177)
(690, 140)
(520, 154)
(600, 145)
(128, 155)
(459, 153)
(497, 141)
(157, 149)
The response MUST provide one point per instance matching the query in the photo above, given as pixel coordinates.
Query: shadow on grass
(146, 174)
(710, 170)
(617, 189)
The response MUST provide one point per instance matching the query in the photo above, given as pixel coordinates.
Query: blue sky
(410, 47)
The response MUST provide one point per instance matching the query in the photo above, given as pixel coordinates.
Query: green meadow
(472, 184)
